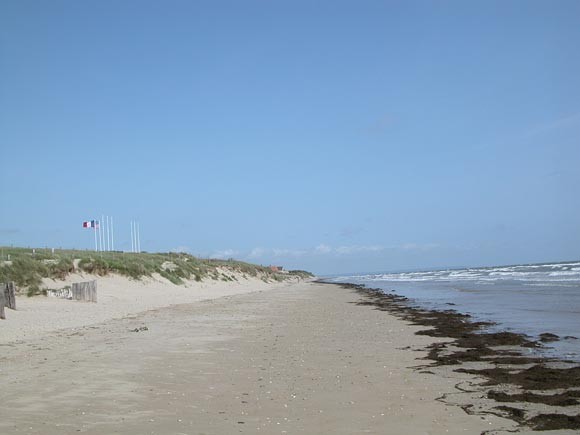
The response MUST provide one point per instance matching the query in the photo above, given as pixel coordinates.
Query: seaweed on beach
(538, 377)
(513, 413)
(505, 351)
(568, 398)
(469, 335)
(554, 422)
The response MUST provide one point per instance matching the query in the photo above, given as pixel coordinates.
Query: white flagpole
(108, 236)
(112, 238)
(98, 230)
(95, 231)
(138, 238)
(102, 233)
(132, 249)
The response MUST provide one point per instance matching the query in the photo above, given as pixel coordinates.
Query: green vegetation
(301, 273)
(27, 266)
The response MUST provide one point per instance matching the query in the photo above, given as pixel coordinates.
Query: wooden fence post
(10, 295)
(75, 290)
(84, 291)
(2, 303)
(93, 285)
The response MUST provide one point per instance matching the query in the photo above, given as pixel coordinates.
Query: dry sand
(117, 296)
(292, 358)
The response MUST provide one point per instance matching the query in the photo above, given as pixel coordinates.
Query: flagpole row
(104, 234)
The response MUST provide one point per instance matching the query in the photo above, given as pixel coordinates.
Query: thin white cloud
(346, 250)
(275, 252)
(179, 249)
(221, 255)
(343, 250)
(289, 252)
(322, 249)
(417, 246)
(257, 253)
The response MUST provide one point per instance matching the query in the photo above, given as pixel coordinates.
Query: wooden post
(92, 291)
(10, 296)
(84, 291)
(76, 290)
(93, 285)
(2, 303)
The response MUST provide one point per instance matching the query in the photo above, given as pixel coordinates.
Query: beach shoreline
(295, 358)
(539, 392)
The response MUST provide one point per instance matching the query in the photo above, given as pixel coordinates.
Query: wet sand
(301, 358)
(539, 392)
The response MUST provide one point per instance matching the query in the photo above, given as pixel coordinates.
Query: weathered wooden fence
(85, 291)
(10, 295)
(7, 297)
(2, 304)
(62, 293)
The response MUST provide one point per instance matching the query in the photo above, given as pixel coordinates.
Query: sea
(526, 298)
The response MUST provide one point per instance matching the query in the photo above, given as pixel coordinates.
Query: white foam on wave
(561, 272)
(564, 273)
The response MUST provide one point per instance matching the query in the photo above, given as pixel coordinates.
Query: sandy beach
(290, 358)
(118, 296)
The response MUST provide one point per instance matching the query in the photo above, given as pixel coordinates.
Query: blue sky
(334, 136)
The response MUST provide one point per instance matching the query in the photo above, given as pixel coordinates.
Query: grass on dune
(26, 266)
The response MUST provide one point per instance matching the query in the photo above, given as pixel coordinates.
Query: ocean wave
(497, 274)
(537, 273)
(525, 298)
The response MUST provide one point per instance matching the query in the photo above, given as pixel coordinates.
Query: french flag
(91, 224)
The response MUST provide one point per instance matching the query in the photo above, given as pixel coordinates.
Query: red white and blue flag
(91, 224)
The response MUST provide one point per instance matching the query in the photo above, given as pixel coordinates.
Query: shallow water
(531, 299)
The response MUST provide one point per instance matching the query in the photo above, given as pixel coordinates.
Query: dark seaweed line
(477, 346)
